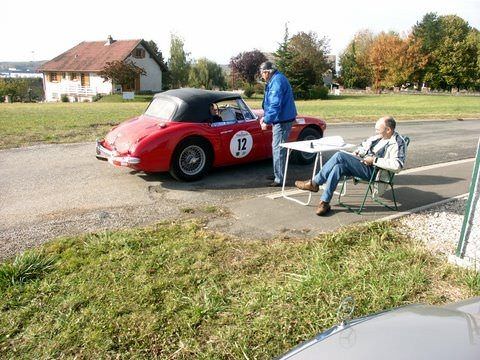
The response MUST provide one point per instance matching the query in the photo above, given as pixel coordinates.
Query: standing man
(280, 112)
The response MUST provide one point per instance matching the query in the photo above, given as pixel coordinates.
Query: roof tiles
(91, 56)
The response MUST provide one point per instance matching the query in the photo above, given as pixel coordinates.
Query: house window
(84, 79)
(139, 53)
(53, 77)
(73, 76)
(64, 75)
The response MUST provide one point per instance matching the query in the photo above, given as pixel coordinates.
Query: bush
(19, 89)
(64, 98)
(248, 91)
(259, 89)
(318, 92)
(145, 92)
(97, 97)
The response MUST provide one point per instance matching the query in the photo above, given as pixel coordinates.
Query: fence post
(472, 203)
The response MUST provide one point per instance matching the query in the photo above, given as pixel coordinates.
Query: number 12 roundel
(241, 144)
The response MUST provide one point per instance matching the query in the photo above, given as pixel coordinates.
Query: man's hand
(368, 160)
(262, 124)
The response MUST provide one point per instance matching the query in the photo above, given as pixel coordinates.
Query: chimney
(109, 40)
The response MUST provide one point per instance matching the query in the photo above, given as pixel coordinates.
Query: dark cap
(267, 66)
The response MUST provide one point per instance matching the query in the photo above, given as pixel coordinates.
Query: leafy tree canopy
(302, 58)
(354, 61)
(121, 72)
(179, 65)
(246, 64)
(206, 74)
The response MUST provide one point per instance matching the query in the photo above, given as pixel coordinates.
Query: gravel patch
(30, 234)
(439, 229)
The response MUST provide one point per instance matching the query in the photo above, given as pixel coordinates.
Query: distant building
(17, 73)
(75, 72)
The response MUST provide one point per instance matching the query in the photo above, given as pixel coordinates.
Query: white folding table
(318, 146)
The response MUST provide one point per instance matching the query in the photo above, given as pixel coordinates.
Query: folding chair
(374, 181)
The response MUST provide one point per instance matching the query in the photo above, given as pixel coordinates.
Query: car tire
(301, 157)
(191, 160)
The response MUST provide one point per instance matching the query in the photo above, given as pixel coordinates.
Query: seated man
(386, 149)
(214, 113)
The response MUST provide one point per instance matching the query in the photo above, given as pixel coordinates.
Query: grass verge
(402, 107)
(177, 291)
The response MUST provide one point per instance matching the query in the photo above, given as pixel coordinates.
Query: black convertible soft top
(193, 105)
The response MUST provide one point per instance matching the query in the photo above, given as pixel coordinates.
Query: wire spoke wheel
(192, 160)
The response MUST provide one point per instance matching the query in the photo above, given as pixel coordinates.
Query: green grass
(116, 98)
(25, 267)
(177, 291)
(402, 107)
(27, 124)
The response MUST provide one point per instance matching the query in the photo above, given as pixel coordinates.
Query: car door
(241, 135)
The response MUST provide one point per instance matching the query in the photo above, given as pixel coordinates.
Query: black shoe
(274, 184)
(270, 177)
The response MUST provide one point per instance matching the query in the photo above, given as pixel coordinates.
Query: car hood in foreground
(411, 332)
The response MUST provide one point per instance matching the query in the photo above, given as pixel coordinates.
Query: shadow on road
(412, 179)
(232, 177)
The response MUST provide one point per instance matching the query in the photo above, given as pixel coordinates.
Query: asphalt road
(52, 190)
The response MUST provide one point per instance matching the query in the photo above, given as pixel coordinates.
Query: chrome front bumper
(113, 157)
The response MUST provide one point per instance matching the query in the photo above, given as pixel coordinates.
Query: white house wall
(54, 90)
(100, 86)
(153, 80)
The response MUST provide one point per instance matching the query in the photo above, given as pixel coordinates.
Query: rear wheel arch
(197, 148)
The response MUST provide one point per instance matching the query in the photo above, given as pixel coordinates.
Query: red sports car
(187, 131)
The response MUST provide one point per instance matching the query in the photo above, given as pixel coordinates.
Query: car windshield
(161, 108)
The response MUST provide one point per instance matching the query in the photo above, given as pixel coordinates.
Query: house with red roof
(75, 72)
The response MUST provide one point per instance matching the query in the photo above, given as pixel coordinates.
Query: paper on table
(332, 140)
(352, 154)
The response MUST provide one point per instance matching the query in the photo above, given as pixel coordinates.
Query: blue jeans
(339, 165)
(280, 134)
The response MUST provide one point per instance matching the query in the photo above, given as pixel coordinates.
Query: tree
(313, 49)
(206, 74)
(474, 37)
(302, 76)
(246, 65)
(414, 61)
(386, 58)
(121, 72)
(354, 61)
(456, 54)
(302, 58)
(427, 33)
(178, 64)
(283, 55)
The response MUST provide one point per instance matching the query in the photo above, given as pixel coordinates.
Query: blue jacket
(278, 103)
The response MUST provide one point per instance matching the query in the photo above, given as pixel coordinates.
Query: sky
(214, 29)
